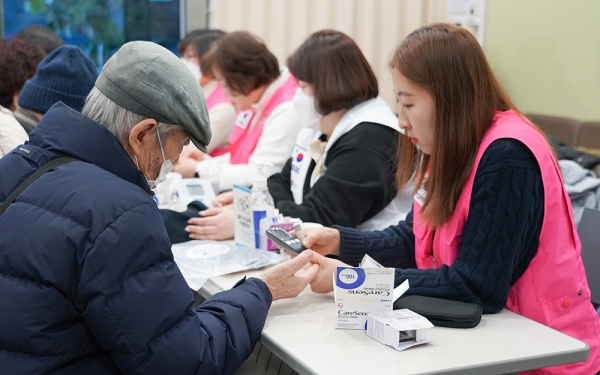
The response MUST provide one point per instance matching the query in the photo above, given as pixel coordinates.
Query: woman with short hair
(266, 124)
(342, 167)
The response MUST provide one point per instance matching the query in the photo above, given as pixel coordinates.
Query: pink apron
(553, 290)
(244, 137)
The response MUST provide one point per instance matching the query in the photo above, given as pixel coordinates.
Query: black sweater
(498, 241)
(357, 184)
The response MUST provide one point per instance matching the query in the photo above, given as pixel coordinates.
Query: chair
(565, 129)
(589, 135)
(588, 229)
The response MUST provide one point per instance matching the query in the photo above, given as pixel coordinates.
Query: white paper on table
(201, 260)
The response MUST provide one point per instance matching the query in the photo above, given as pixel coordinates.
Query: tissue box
(360, 291)
(399, 329)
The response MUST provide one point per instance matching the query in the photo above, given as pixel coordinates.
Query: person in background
(66, 75)
(40, 37)
(193, 50)
(85, 260)
(342, 167)
(18, 63)
(267, 124)
(491, 222)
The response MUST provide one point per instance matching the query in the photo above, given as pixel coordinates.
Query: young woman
(341, 169)
(194, 51)
(266, 125)
(491, 220)
(342, 165)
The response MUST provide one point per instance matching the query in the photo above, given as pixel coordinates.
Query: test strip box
(399, 329)
(360, 291)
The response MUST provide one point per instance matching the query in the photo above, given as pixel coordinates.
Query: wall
(546, 53)
(376, 25)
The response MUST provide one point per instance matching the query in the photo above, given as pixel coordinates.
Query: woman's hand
(323, 282)
(186, 166)
(322, 240)
(215, 224)
(288, 279)
(223, 199)
(193, 154)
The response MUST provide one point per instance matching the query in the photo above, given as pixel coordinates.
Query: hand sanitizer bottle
(262, 205)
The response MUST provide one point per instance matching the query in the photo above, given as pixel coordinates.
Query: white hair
(118, 120)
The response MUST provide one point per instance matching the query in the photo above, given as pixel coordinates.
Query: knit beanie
(66, 75)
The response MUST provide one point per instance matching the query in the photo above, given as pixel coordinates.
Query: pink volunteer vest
(217, 97)
(243, 140)
(553, 290)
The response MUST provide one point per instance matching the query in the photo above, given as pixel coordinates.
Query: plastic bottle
(262, 205)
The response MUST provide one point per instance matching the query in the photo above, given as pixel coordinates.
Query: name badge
(243, 118)
(420, 196)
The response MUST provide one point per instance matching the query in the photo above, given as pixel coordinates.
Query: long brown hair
(447, 61)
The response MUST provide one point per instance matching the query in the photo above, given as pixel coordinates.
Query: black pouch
(442, 312)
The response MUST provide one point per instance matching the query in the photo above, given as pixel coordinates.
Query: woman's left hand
(216, 223)
(323, 282)
(186, 166)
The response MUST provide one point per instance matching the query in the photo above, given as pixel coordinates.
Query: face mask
(306, 109)
(195, 69)
(165, 168)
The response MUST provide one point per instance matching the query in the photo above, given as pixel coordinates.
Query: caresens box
(360, 291)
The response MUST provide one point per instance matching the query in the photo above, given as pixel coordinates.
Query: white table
(300, 332)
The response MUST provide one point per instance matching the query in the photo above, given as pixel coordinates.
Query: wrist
(274, 295)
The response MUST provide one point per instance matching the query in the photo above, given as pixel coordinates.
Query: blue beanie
(66, 75)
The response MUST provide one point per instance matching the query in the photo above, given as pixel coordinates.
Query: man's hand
(223, 199)
(288, 279)
(322, 240)
(215, 224)
(323, 282)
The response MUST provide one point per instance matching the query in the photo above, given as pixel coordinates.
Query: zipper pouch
(442, 312)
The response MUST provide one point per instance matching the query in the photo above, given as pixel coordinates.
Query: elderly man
(88, 284)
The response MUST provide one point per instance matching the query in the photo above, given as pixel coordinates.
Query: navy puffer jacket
(88, 284)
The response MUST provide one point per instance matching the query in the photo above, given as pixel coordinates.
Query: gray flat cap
(151, 81)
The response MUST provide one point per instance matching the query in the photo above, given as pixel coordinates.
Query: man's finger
(300, 261)
(308, 274)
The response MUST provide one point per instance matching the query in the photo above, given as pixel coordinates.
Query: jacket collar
(66, 131)
(26, 118)
(265, 99)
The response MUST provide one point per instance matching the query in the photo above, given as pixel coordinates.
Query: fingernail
(189, 221)
(187, 229)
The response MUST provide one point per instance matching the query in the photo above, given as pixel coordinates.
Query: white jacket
(12, 133)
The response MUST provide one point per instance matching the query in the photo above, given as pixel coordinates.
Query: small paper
(368, 262)
(400, 290)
